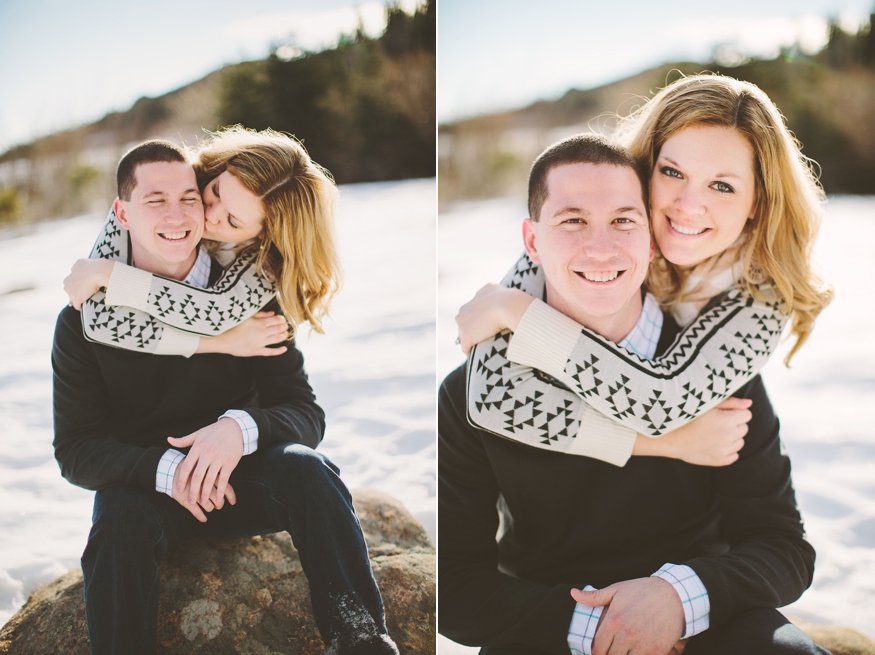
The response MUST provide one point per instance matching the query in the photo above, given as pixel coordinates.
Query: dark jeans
(757, 632)
(285, 487)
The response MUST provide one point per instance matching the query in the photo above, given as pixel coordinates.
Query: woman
(734, 211)
(272, 207)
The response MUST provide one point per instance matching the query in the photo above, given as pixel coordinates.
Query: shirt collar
(199, 275)
(644, 337)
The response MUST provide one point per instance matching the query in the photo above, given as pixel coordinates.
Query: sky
(504, 54)
(65, 63)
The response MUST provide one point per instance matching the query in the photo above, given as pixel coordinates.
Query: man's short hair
(579, 149)
(148, 152)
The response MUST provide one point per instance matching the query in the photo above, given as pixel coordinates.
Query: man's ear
(119, 208)
(529, 239)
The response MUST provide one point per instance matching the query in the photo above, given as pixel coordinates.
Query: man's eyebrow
(631, 208)
(572, 210)
(676, 165)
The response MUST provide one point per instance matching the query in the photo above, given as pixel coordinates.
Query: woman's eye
(231, 223)
(722, 187)
(215, 189)
(670, 172)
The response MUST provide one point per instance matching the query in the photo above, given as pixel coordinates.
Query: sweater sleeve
(767, 563)
(89, 456)
(479, 604)
(150, 303)
(721, 350)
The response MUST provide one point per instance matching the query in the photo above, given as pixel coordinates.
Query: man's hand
(215, 501)
(86, 278)
(712, 439)
(492, 309)
(643, 617)
(251, 338)
(215, 452)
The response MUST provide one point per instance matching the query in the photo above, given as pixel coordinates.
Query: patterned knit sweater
(595, 395)
(152, 314)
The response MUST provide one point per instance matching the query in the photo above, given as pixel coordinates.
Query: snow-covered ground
(822, 400)
(373, 372)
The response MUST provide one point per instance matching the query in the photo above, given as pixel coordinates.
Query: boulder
(250, 596)
(836, 639)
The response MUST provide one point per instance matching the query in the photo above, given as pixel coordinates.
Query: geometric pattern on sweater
(237, 295)
(720, 351)
(502, 400)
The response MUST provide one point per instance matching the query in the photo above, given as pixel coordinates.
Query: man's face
(165, 217)
(593, 241)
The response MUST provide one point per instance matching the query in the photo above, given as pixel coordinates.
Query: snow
(820, 400)
(373, 373)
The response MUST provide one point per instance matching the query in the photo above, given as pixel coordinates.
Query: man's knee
(125, 518)
(756, 632)
(299, 465)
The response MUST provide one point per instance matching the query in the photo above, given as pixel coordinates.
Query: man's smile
(174, 236)
(599, 276)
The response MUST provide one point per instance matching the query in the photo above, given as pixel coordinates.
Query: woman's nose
(690, 202)
(211, 215)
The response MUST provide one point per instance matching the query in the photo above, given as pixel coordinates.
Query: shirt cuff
(603, 438)
(693, 595)
(544, 339)
(247, 426)
(128, 286)
(177, 342)
(584, 621)
(166, 470)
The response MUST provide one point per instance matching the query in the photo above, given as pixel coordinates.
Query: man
(115, 409)
(682, 556)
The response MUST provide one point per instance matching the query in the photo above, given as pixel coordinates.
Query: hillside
(365, 110)
(829, 110)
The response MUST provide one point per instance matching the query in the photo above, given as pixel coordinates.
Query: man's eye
(191, 200)
(155, 202)
(722, 187)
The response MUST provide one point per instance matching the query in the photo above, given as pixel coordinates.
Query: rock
(250, 596)
(836, 639)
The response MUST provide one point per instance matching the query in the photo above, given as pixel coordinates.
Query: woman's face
(233, 213)
(702, 191)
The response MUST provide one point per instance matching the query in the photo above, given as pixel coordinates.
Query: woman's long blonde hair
(298, 250)
(787, 209)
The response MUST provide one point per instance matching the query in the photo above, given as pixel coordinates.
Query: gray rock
(250, 596)
(836, 639)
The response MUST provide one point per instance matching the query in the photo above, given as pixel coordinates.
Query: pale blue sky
(499, 54)
(63, 63)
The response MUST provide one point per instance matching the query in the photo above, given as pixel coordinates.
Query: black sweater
(569, 521)
(114, 409)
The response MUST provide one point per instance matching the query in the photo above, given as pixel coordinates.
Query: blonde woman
(734, 211)
(269, 217)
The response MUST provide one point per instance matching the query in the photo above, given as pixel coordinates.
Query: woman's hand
(494, 308)
(251, 338)
(86, 278)
(712, 439)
